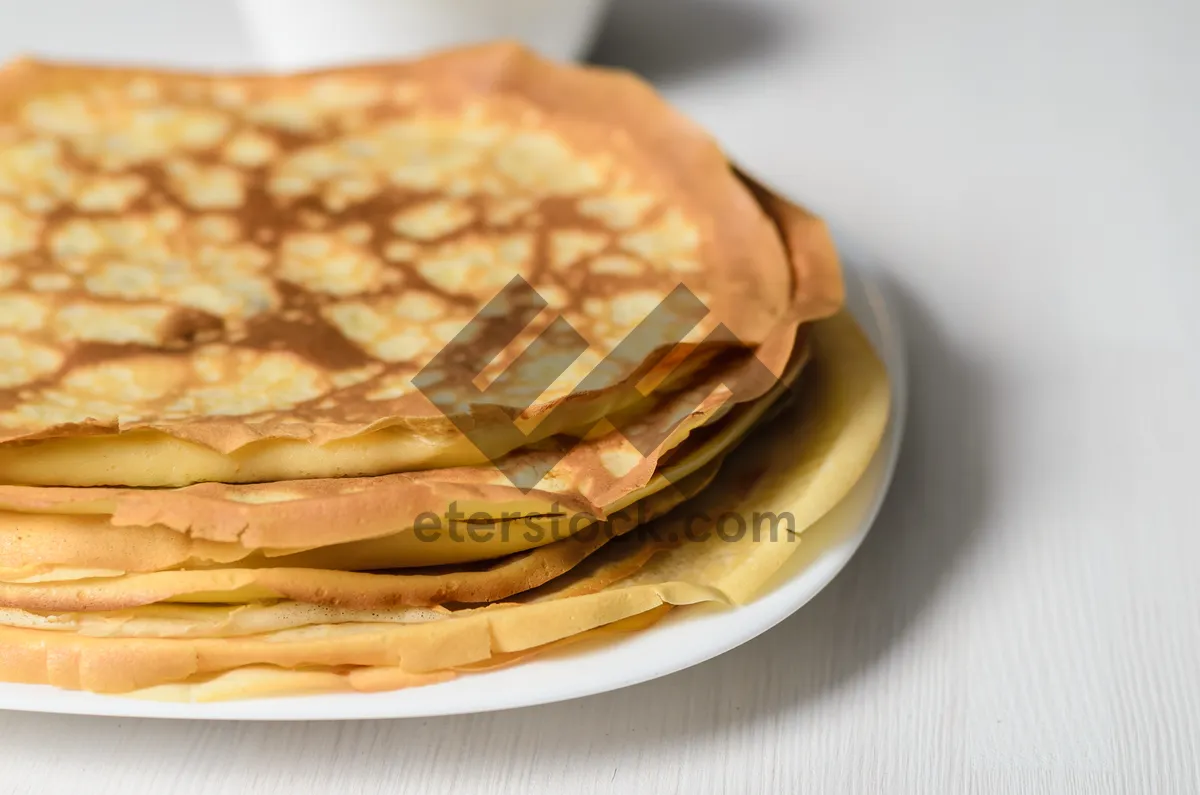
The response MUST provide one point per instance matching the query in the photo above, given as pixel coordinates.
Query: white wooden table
(1026, 615)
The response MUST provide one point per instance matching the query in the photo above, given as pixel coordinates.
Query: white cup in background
(299, 34)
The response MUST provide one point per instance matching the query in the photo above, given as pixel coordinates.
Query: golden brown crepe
(44, 529)
(257, 332)
(800, 467)
(97, 591)
(265, 680)
(364, 524)
(236, 278)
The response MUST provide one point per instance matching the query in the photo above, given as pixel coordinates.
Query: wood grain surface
(1025, 617)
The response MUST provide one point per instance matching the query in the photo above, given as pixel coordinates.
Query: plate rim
(868, 303)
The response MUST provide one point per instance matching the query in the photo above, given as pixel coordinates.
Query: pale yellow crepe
(801, 466)
(498, 580)
(264, 681)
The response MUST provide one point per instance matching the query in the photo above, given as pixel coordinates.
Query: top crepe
(235, 278)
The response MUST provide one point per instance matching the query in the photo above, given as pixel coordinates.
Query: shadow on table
(929, 520)
(931, 517)
(664, 39)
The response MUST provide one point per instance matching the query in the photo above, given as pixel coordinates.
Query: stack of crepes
(272, 419)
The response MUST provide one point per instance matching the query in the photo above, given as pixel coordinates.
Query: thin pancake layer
(368, 521)
(245, 273)
(802, 468)
(45, 548)
(343, 589)
(267, 681)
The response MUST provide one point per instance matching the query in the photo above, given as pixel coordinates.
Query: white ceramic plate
(688, 636)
